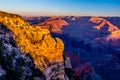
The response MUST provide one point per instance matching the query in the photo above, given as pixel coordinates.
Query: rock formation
(54, 25)
(45, 51)
(103, 24)
(92, 39)
(14, 64)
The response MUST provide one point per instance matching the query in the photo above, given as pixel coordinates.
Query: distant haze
(62, 7)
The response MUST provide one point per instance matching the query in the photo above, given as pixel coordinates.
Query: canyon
(87, 39)
(59, 47)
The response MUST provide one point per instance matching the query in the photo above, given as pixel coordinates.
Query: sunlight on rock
(33, 40)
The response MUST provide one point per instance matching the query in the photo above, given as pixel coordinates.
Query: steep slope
(45, 51)
(14, 64)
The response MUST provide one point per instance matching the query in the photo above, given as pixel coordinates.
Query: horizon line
(40, 15)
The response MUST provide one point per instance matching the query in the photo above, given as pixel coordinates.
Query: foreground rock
(23, 45)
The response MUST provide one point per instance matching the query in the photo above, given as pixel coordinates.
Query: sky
(62, 7)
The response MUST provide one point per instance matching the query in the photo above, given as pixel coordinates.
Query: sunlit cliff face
(33, 40)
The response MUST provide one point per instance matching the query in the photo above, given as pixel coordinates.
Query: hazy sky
(62, 7)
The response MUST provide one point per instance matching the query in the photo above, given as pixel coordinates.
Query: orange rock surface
(114, 35)
(33, 40)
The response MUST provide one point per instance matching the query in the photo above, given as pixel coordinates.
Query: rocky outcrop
(14, 64)
(54, 25)
(106, 26)
(55, 71)
(70, 74)
(103, 24)
(45, 51)
(96, 19)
